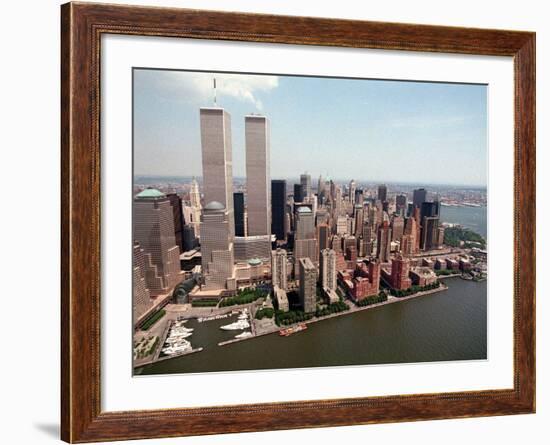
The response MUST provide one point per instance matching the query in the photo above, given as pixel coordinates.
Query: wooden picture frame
(82, 26)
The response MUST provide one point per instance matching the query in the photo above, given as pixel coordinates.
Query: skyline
(406, 124)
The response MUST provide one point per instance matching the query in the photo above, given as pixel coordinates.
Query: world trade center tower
(217, 161)
(258, 181)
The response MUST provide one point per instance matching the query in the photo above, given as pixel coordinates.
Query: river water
(447, 325)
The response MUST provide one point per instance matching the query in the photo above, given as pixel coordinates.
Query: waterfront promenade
(259, 328)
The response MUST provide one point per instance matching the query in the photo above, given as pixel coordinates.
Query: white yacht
(238, 325)
(244, 334)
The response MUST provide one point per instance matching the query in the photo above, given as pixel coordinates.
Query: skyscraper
(153, 229)
(298, 194)
(323, 236)
(419, 196)
(327, 269)
(177, 211)
(217, 161)
(258, 187)
(305, 244)
(279, 268)
(384, 242)
(308, 285)
(238, 202)
(305, 182)
(351, 191)
(382, 193)
(216, 246)
(397, 228)
(278, 208)
(401, 204)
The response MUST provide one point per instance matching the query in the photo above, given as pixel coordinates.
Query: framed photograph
(275, 222)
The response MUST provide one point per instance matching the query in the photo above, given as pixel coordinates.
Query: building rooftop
(214, 205)
(255, 262)
(150, 193)
(303, 209)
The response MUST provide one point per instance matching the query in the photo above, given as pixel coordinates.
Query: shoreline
(353, 309)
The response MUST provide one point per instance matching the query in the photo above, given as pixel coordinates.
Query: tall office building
(258, 180)
(321, 189)
(177, 211)
(359, 197)
(419, 196)
(216, 247)
(323, 236)
(351, 191)
(217, 160)
(308, 285)
(384, 242)
(153, 229)
(298, 193)
(327, 269)
(278, 208)
(397, 228)
(279, 271)
(382, 193)
(305, 182)
(305, 244)
(429, 238)
(142, 268)
(238, 203)
(359, 213)
(401, 205)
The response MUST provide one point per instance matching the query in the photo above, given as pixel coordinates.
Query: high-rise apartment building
(279, 271)
(308, 285)
(384, 242)
(400, 273)
(258, 181)
(278, 208)
(327, 269)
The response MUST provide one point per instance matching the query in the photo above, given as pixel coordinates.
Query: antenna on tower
(215, 101)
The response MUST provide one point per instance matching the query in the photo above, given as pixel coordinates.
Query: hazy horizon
(395, 132)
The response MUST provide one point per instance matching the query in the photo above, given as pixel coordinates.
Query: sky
(362, 129)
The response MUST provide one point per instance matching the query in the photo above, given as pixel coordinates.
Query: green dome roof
(255, 262)
(150, 193)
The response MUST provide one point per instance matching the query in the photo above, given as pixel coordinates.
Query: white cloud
(198, 87)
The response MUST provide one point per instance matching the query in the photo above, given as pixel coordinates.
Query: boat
(238, 325)
(243, 315)
(244, 334)
(176, 348)
(292, 330)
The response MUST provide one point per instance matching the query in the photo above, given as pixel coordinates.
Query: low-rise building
(422, 276)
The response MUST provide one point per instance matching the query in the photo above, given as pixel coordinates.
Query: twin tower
(217, 167)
